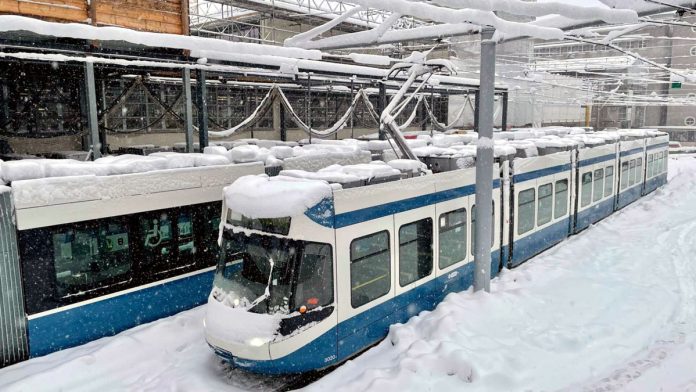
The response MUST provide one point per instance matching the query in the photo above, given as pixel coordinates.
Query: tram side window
(650, 165)
(586, 197)
(370, 268)
(608, 180)
(90, 256)
(624, 175)
(632, 173)
(452, 238)
(598, 186)
(415, 251)
(658, 168)
(665, 156)
(315, 277)
(473, 226)
(545, 204)
(639, 170)
(525, 211)
(561, 199)
(167, 245)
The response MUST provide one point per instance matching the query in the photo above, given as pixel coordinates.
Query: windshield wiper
(267, 291)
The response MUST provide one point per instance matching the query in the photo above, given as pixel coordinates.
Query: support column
(92, 118)
(202, 101)
(381, 105)
(503, 122)
(188, 109)
(352, 114)
(283, 127)
(476, 110)
(484, 164)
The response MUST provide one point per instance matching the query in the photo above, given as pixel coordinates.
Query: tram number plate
(452, 275)
(329, 358)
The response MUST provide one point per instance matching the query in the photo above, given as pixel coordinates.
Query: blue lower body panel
(594, 214)
(655, 182)
(84, 323)
(537, 242)
(628, 196)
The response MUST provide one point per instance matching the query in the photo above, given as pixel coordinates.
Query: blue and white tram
(95, 255)
(321, 285)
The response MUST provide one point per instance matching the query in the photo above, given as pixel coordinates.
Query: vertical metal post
(503, 122)
(188, 108)
(381, 105)
(309, 106)
(202, 100)
(92, 119)
(423, 116)
(432, 108)
(484, 164)
(283, 127)
(476, 109)
(352, 115)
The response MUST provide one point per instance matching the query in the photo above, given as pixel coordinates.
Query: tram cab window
(639, 170)
(86, 257)
(624, 175)
(586, 196)
(632, 173)
(452, 237)
(545, 204)
(608, 180)
(415, 251)
(525, 211)
(561, 199)
(370, 268)
(315, 277)
(598, 186)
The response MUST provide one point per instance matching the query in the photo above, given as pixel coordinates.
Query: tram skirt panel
(13, 325)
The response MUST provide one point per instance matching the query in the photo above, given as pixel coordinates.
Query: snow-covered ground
(613, 308)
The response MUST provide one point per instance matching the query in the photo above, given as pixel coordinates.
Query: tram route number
(330, 358)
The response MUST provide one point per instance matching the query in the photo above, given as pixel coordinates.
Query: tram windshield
(269, 274)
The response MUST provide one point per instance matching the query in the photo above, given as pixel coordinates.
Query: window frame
(598, 178)
(352, 262)
(419, 277)
(609, 180)
(465, 241)
(550, 196)
(565, 201)
(586, 193)
(518, 209)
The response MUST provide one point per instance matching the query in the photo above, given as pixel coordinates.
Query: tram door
(13, 327)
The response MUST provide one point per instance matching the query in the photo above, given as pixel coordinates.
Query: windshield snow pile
(274, 197)
(239, 325)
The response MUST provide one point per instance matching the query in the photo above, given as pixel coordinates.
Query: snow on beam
(524, 8)
(10, 23)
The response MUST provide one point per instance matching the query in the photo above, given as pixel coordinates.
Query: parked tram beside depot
(87, 256)
(316, 266)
